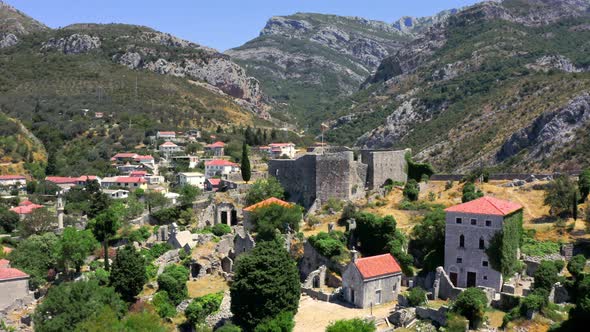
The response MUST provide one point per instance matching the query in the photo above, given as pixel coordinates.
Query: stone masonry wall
(383, 165)
(298, 177)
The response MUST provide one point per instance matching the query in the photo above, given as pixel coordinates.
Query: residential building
(169, 148)
(63, 180)
(14, 285)
(124, 157)
(220, 167)
(216, 149)
(125, 182)
(469, 228)
(278, 150)
(166, 135)
(25, 208)
(371, 281)
(16, 181)
(212, 184)
(192, 178)
(116, 193)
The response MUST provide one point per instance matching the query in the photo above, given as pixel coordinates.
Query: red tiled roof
(125, 155)
(214, 182)
(4, 263)
(130, 179)
(166, 133)
(279, 145)
(25, 203)
(144, 158)
(138, 173)
(217, 144)
(376, 266)
(12, 177)
(168, 144)
(85, 178)
(61, 179)
(486, 205)
(220, 162)
(267, 202)
(10, 273)
(7, 250)
(26, 209)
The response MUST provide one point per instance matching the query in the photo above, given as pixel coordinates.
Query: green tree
(134, 207)
(188, 194)
(412, 190)
(128, 273)
(283, 322)
(266, 283)
(245, 164)
(164, 306)
(352, 325)
(105, 226)
(173, 281)
(71, 303)
(576, 265)
(155, 199)
(471, 304)
(38, 222)
(98, 200)
(73, 247)
(35, 256)
(221, 229)
(107, 320)
(416, 297)
(268, 219)
(8, 220)
(545, 276)
(470, 192)
(228, 327)
(559, 195)
(584, 184)
(264, 188)
(427, 242)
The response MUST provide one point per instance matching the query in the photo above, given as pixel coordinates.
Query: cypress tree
(575, 206)
(245, 166)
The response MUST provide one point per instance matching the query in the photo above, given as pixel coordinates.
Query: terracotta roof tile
(12, 177)
(486, 205)
(11, 273)
(4, 263)
(220, 162)
(376, 266)
(268, 202)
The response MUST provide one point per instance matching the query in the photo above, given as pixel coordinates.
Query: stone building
(336, 173)
(371, 280)
(469, 228)
(14, 284)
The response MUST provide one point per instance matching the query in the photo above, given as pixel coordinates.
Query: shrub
(470, 192)
(449, 185)
(221, 229)
(268, 219)
(532, 302)
(559, 195)
(328, 244)
(173, 280)
(471, 304)
(412, 190)
(283, 322)
(456, 323)
(156, 251)
(333, 204)
(351, 325)
(545, 276)
(576, 265)
(416, 297)
(229, 328)
(164, 306)
(203, 306)
(532, 247)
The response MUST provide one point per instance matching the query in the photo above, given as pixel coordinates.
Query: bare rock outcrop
(8, 40)
(73, 44)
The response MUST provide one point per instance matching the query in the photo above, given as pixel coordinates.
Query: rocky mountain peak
(13, 21)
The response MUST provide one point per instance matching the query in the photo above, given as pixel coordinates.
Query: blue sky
(218, 23)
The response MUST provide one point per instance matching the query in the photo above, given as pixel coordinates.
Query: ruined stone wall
(298, 177)
(336, 174)
(383, 165)
(12, 290)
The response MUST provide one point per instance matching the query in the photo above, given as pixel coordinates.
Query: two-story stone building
(469, 228)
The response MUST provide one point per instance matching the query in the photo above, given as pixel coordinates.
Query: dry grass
(495, 317)
(206, 285)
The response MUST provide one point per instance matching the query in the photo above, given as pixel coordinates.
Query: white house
(116, 193)
(165, 135)
(169, 147)
(215, 149)
(278, 150)
(13, 181)
(220, 167)
(193, 178)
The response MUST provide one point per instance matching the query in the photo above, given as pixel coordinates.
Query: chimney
(354, 255)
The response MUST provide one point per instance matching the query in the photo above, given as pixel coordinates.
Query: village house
(248, 211)
(16, 181)
(216, 149)
(14, 284)
(220, 167)
(371, 280)
(124, 157)
(124, 182)
(116, 193)
(25, 208)
(212, 184)
(278, 150)
(169, 148)
(469, 228)
(166, 135)
(192, 178)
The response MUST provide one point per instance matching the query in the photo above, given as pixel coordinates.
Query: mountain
(305, 62)
(20, 150)
(53, 82)
(499, 84)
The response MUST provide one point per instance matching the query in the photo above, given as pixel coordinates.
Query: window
(474, 221)
(459, 260)
(488, 223)
(462, 241)
(459, 221)
(482, 243)
(485, 277)
(484, 263)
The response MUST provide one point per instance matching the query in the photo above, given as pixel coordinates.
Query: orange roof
(214, 182)
(12, 177)
(130, 179)
(10, 273)
(62, 179)
(267, 202)
(486, 205)
(7, 250)
(25, 209)
(220, 162)
(376, 266)
(217, 144)
(4, 263)
(168, 144)
(125, 155)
